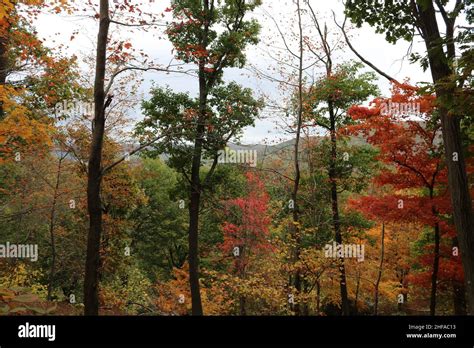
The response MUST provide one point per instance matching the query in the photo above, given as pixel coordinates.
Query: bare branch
(110, 166)
(365, 61)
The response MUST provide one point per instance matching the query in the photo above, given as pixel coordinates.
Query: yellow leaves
(7, 6)
(23, 277)
(5, 11)
(216, 300)
(18, 132)
(174, 297)
(32, 2)
(119, 297)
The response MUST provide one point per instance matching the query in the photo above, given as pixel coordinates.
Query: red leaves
(405, 142)
(196, 50)
(248, 230)
(412, 151)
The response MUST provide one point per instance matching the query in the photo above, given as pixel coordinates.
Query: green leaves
(344, 88)
(213, 34)
(392, 17)
(230, 109)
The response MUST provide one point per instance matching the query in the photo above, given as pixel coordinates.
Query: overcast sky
(373, 46)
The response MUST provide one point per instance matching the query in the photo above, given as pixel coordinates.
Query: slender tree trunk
(193, 256)
(379, 276)
(3, 63)
(242, 302)
(305, 305)
(240, 272)
(294, 195)
(318, 297)
(94, 177)
(193, 232)
(3, 60)
(335, 209)
(450, 123)
(434, 275)
(51, 233)
(356, 300)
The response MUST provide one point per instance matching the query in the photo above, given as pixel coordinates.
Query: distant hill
(266, 153)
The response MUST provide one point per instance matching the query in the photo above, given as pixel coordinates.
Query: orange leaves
(405, 140)
(174, 297)
(5, 13)
(6, 8)
(18, 133)
(119, 52)
(196, 51)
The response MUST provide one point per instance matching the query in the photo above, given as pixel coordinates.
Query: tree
(327, 102)
(102, 101)
(213, 36)
(402, 20)
(159, 224)
(412, 149)
(293, 67)
(229, 108)
(94, 176)
(246, 233)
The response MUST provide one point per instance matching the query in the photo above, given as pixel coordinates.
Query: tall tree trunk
(379, 275)
(459, 300)
(294, 195)
(3, 60)
(450, 123)
(94, 177)
(193, 256)
(459, 291)
(51, 232)
(335, 209)
(434, 274)
(3, 63)
(193, 232)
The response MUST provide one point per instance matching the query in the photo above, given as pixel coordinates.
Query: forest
(236, 157)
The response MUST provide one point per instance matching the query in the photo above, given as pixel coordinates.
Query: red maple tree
(410, 142)
(246, 231)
